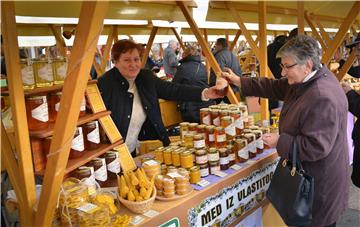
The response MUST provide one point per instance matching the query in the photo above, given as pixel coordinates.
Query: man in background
(170, 60)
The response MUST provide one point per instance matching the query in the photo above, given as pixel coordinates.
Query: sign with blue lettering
(231, 202)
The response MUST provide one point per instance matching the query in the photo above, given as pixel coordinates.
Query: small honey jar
(186, 159)
(205, 116)
(37, 112)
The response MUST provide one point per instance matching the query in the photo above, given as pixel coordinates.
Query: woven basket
(139, 207)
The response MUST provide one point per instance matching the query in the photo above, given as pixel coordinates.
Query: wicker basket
(139, 207)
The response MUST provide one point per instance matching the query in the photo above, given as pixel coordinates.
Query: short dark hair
(123, 46)
(293, 33)
(222, 41)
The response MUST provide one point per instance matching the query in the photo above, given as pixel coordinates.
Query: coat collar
(191, 58)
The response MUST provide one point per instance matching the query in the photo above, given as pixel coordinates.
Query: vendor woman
(132, 93)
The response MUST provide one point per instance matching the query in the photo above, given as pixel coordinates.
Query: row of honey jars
(42, 110)
(212, 115)
(41, 72)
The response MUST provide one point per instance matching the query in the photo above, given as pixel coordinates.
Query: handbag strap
(295, 161)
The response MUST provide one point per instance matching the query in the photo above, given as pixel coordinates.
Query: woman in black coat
(192, 72)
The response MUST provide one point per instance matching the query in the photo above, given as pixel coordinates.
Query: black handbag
(291, 191)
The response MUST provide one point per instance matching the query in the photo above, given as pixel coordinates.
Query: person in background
(132, 94)
(354, 71)
(354, 107)
(311, 93)
(225, 58)
(170, 61)
(192, 72)
(150, 64)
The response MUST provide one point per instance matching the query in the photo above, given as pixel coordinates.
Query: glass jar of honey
(54, 105)
(112, 164)
(186, 159)
(205, 116)
(77, 144)
(223, 113)
(86, 175)
(231, 154)
(27, 73)
(167, 157)
(175, 157)
(184, 128)
(229, 127)
(264, 131)
(82, 107)
(43, 72)
(199, 141)
(224, 159)
(159, 156)
(195, 175)
(60, 69)
(213, 154)
(210, 136)
(220, 137)
(250, 137)
(204, 170)
(37, 112)
(200, 129)
(188, 140)
(91, 135)
(214, 166)
(259, 141)
(242, 151)
(234, 114)
(193, 128)
(215, 117)
(201, 156)
(100, 171)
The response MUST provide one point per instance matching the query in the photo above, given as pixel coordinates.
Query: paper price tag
(137, 220)
(88, 208)
(235, 167)
(203, 183)
(219, 174)
(174, 175)
(151, 213)
(151, 163)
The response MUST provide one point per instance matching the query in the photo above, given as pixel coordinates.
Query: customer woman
(132, 94)
(192, 72)
(314, 115)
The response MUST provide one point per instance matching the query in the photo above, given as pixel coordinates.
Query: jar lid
(83, 169)
(213, 107)
(204, 166)
(241, 141)
(188, 135)
(214, 163)
(201, 126)
(210, 127)
(193, 124)
(91, 123)
(204, 109)
(35, 97)
(250, 135)
(200, 152)
(184, 123)
(214, 110)
(160, 149)
(222, 150)
(198, 137)
(194, 169)
(110, 153)
(254, 127)
(219, 128)
(186, 153)
(257, 132)
(226, 118)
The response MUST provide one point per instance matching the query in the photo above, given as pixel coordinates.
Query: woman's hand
(211, 93)
(231, 77)
(270, 139)
(346, 87)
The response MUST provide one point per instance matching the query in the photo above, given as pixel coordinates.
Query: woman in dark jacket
(192, 72)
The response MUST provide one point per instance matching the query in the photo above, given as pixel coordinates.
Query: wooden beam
(178, 38)
(17, 101)
(340, 35)
(149, 45)
(264, 103)
(300, 17)
(106, 52)
(115, 34)
(314, 31)
(243, 28)
(60, 43)
(345, 68)
(323, 33)
(238, 33)
(90, 25)
(227, 37)
(205, 48)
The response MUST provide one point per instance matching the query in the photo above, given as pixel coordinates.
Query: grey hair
(302, 48)
(172, 42)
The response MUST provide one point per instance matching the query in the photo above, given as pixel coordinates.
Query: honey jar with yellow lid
(186, 159)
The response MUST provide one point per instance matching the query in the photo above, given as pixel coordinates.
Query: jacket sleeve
(354, 103)
(179, 75)
(318, 131)
(264, 87)
(173, 62)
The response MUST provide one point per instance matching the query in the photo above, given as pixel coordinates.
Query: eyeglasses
(287, 67)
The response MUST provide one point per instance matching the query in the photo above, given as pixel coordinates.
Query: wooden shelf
(40, 90)
(77, 162)
(82, 120)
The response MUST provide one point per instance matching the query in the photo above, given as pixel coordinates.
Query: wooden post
(88, 31)
(115, 34)
(231, 96)
(149, 45)
(264, 103)
(340, 35)
(178, 38)
(106, 53)
(60, 43)
(300, 17)
(17, 101)
(238, 33)
(323, 33)
(314, 31)
(345, 68)
(206, 59)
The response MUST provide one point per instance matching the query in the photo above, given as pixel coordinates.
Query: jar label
(40, 113)
(220, 138)
(224, 160)
(114, 166)
(231, 157)
(90, 183)
(243, 153)
(206, 120)
(230, 130)
(239, 123)
(252, 147)
(216, 121)
(199, 143)
(77, 143)
(260, 144)
(101, 173)
(201, 159)
(27, 75)
(204, 172)
(57, 107)
(214, 169)
(94, 135)
(213, 156)
(83, 104)
(46, 73)
(61, 71)
(211, 137)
